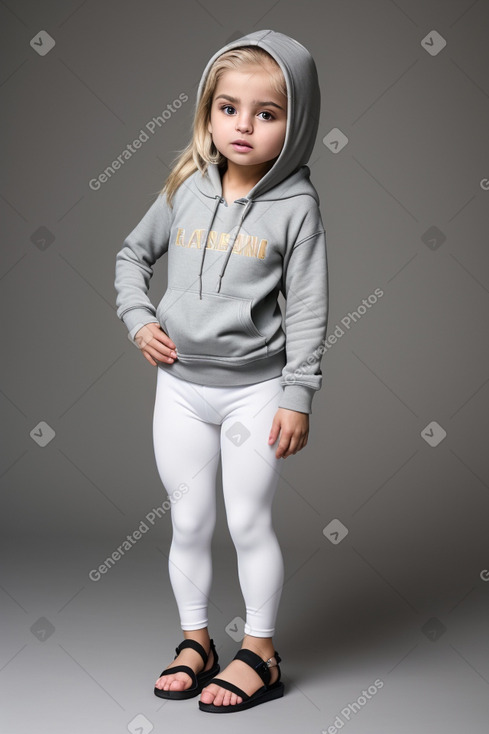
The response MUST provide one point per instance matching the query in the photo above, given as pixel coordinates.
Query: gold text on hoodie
(247, 245)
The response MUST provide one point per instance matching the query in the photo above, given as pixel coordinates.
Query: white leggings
(194, 425)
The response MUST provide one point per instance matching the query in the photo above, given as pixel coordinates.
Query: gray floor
(82, 655)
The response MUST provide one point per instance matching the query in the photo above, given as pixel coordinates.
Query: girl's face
(245, 107)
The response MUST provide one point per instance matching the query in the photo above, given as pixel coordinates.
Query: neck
(245, 176)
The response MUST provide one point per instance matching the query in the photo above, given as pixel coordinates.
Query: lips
(242, 143)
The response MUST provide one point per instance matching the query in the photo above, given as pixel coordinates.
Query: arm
(306, 316)
(305, 287)
(134, 266)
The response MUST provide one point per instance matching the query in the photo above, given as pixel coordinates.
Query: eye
(270, 116)
(225, 107)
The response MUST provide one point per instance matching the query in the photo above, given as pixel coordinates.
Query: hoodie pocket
(217, 328)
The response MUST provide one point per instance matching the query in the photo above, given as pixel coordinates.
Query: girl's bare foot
(241, 674)
(180, 681)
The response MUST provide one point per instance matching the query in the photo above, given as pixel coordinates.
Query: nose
(243, 122)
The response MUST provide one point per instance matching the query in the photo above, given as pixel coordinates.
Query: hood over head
(303, 101)
(303, 111)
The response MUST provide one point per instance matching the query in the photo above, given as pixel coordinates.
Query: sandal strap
(231, 687)
(183, 669)
(195, 646)
(257, 663)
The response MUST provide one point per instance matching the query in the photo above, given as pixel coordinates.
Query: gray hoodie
(220, 308)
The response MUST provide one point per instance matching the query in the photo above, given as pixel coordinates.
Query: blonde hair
(201, 150)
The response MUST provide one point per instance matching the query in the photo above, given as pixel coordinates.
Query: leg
(250, 474)
(187, 454)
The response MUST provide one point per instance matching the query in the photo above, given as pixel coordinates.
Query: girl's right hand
(155, 344)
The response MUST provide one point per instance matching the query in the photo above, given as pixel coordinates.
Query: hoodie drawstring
(218, 200)
(230, 248)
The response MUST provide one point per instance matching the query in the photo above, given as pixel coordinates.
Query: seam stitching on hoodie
(309, 237)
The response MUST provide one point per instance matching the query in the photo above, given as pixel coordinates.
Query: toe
(229, 698)
(207, 695)
(167, 681)
(172, 683)
(212, 694)
(219, 696)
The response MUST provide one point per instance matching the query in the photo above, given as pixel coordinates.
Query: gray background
(403, 598)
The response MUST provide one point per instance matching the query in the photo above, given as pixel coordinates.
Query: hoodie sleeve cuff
(136, 318)
(297, 397)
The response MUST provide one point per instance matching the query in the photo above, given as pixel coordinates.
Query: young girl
(240, 222)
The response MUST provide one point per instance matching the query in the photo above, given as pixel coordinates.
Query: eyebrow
(254, 101)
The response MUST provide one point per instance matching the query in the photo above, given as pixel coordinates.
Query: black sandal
(265, 693)
(199, 680)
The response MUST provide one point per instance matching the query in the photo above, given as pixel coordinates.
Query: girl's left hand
(294, 430)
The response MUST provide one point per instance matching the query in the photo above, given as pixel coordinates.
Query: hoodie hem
(215, 375)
